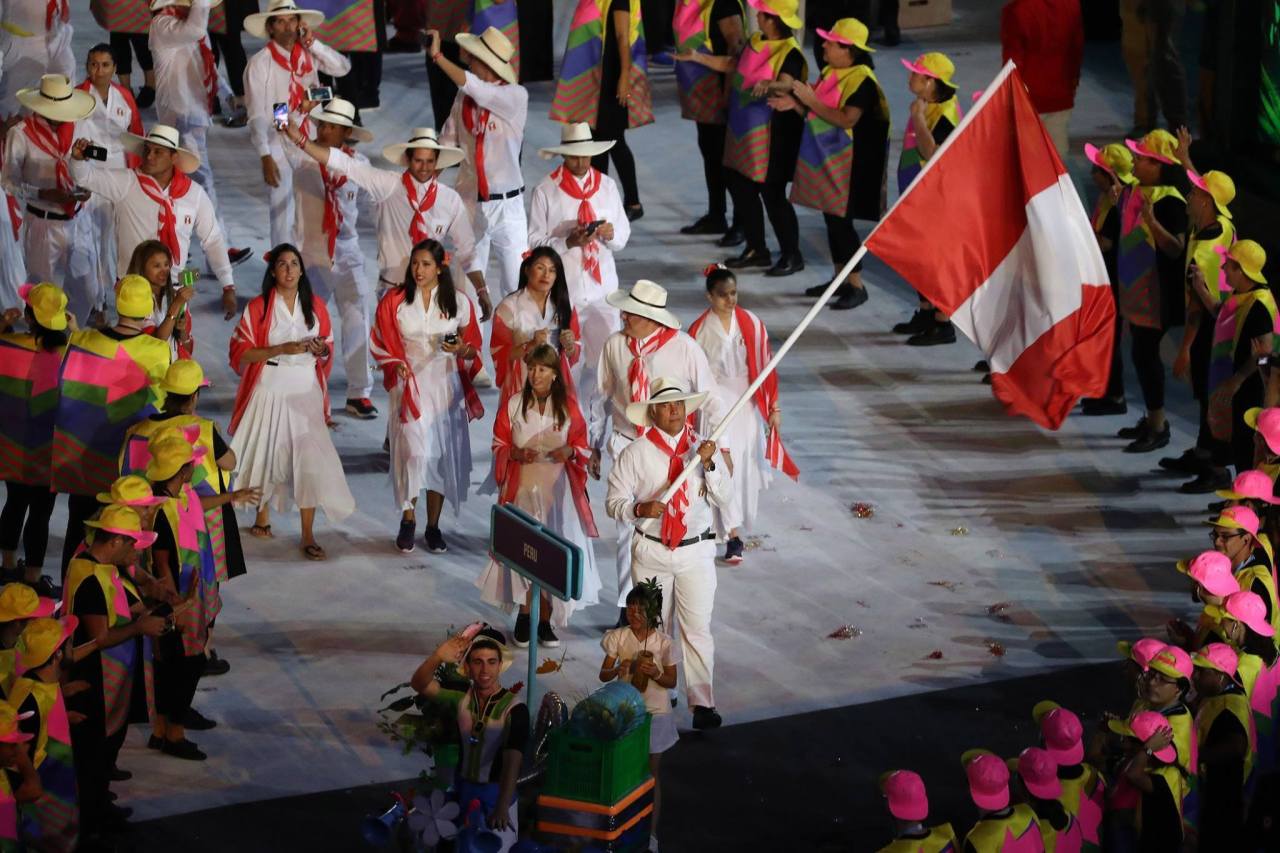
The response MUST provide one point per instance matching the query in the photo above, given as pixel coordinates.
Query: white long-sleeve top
(508, 106)
(640, 474)
(27, 170)
(181, 96)
(553, 215)
(447, 220)
(114, 116)
(266, 83)
(680, 358)
(308, 212)
(137, 218)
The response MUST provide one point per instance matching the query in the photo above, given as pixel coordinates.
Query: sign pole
(535, 607)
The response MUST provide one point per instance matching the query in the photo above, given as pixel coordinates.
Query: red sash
(476, 121)
(332, 208)
(673, 526)
(56, 10)
(58, 146)
(15, 209)
(418, 230)
(167, 220)
(298, 64)
(586, 213)
(253, 332)
(637, 378)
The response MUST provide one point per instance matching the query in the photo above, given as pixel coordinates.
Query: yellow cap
(1251, 257)
(848, 31)
(787, 10)
(9, 732)
(130, 490)
(1158, 145)
(124, 521)
(936, 65)
(40, 639)
(1115, 159)
(169, 452)
(19, 601)
(48, 303)
(1218, 185)
(185, 376)
(133, 297)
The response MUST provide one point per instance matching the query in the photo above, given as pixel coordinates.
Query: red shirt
(1045, 38)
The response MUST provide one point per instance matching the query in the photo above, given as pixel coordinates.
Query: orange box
(913, 14)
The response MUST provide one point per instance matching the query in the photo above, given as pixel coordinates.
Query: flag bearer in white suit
(487, 122)
(35, 39)
(562, 208)
(37, 172)
(325, 212)
(282, 72)
(650, 345)
(674, 542)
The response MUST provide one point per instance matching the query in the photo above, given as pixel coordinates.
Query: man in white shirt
(487, 122)
(674, 542)
(35, 39)
(37, 172)
(577, 210)
(158, 201)
(650, 345)
(412, 205)
(283, 73)
(325, 226)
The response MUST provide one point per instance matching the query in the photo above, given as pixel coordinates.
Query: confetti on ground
(1000, 610)
(548, 666)
(996, 554)
(806, 528)
(936, 654)
(918, 622)
(756, 543)
(996, 649)
(959, 531)
(862, 510)
(949, 586)
(845, 632)
(861, 603)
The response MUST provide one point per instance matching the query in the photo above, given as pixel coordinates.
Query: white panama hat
(664, 391)
(166, 137)
(493, 48)
(646, 299)
(342, 112)
(424, 137)
(576, 141)
(256, 24)
(57, 100)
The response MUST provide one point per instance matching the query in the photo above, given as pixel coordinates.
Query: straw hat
(424, 137)
(847, 31)
(165, 137)
(57, 100)
(646, 299)
(48, 303)
(489, 634)
(256, 24)
(664, 391)
(185, 376)
(342, 112)
(493, 48)
(576, 141)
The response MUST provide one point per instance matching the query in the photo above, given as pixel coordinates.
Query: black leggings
(747, 198)
(80, 508)
(1145, 353)
(611, 125)
(711, 147)
(124, 45)
(176, 678)
(26, 514)
(843, 240)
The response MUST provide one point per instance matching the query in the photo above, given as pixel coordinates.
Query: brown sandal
(314, 552)
(261, 531)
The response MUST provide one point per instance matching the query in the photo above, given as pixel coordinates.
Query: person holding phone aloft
(282, 73)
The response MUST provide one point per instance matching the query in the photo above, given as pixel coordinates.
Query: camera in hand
(95, 152)
(451, 338)
(322, 94)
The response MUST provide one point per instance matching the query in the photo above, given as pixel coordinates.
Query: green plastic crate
(596, 771)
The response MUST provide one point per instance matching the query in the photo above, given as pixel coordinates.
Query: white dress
(745, 436)
(432, 452)
(545, 494)
(282, 443)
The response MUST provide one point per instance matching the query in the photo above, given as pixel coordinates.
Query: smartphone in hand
(95, 152)
(592, 226)
(280, 115)
(320, 94)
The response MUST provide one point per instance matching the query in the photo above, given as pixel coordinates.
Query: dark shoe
(116, 817)
(115, 774)
(197, 722)
(817, 289)
(1100, 406)
(1136, 431)
(520, 633)
(361, 407)
(850, 297)
(146, 97)
(786, 265)
(707, 225)
(1190, 462)
(981, 366)
(183, 749)
(399, 45)
(986, 379)
(921, 321)
(733, 237)
(622, 618)
(733, 551)
(1207, 481)
(1149, 441)
(238, 118)
(214, 666)
(43, 587)
(892, 38)
(749, 258)
(939, 333)
(705, 718)
(155, 742)
(404, 539)
(239, 256)
(547, 637)
(633, 211)
(435, 540)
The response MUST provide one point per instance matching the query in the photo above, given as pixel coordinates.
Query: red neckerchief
(56, 10)
(167, 220)
(58, 146)
(476, 121)
(418, 230)
(298, 64)
(586, 213)
(332, 208)
(208, 65)
(637, 378)
(673, 526)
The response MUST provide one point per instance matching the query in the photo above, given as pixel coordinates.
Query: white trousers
(688, 579)
(27, 58)
(282, 202)
(502, 228)
(92, 265)
(350, 289)
(47, 248)
(618, 443)
(1056, 124)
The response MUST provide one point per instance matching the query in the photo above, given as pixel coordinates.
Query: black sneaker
(155, 742)
(1210, 479)
(633, 211)
(197, 722)
(183, 749)
(361, 407)
(43, 587)
(733, 237)
(981, 366)
(547, 637)
(786, 265)
(115, 774)
(817, 289)
(920, 321)
(938, 333)
(849, 298)
(239, 256)
(1149, 441)
(434, 540)
(520, 633)
(404, 539)
(1218, 506)
(215, 665)
(1136, 431)
(733, 551)
(1190, 462)
(1100, 406)
(707, 225)
(705, 718)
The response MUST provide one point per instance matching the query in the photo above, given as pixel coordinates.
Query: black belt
(683, 542)
(501, 196)
(49, 214)
(272, 363)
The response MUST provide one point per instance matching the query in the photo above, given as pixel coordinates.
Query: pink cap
(1137, 147)
(1252, 485)
(1218, 656)
(1063, 737)
(1197, 181)
(1213, 572)
(1039, 773)
(988, 780)
(1146, 723)
(1173, 662)
(1141, 651)
(1248, 607)
(906, 795)
(1245, 519)
(1266, 422)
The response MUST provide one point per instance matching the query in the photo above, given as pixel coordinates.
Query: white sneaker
(653, 844)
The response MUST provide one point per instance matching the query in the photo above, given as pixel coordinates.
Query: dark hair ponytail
(47, 339)
(446, 293)
(559, 289)
(305, 296)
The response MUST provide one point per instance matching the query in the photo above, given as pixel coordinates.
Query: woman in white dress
(737, 346)
(282, 349)
(171, 311)
(540, 452)
(539, 312)
(426, 339)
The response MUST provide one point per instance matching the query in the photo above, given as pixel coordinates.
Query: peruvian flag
(993, 233)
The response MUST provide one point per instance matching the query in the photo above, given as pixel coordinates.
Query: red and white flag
(993, 233)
